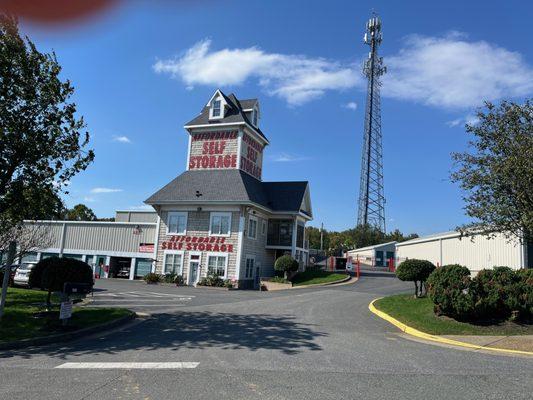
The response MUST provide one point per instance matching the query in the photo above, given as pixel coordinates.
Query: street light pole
(7, 273)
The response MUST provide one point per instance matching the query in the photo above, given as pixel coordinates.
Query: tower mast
(371, 196)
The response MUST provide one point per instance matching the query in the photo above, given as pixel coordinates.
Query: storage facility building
(474, 251)
(377, 255)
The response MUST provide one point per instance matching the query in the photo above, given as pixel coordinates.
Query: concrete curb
(435, 338)
(63, 337)
(339, 282)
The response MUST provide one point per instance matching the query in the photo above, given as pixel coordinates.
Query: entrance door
(99, 266)
(379, 258)
(194, 268)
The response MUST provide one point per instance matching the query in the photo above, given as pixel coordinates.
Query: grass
(20, 319)
(316, 277)
(418, 313)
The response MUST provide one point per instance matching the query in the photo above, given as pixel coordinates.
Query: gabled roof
(234, 114)
(231, 185)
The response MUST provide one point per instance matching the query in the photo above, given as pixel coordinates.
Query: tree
(497, 176)
(416, 271)
(286, 264)
(41, 141)
(80, 212)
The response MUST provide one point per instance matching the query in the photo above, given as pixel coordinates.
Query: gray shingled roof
(231, 185)
(234, 113)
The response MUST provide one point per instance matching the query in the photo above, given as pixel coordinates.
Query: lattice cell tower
(371, 197)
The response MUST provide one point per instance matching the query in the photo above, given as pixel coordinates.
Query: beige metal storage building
(475, 252)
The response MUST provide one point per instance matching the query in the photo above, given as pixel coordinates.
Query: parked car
(22, 274)
(14, 267)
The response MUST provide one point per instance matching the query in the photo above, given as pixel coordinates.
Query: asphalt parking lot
(297, 344)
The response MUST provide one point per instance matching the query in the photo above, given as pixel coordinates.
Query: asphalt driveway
(300, 344)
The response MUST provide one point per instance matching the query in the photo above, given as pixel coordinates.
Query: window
(177, 223)
(280, 232)
(264, 228)
(249, 271)
(252, 227)
(255, 116)
(216, 265)
(220, 224)
(173, 263)
(216, 108)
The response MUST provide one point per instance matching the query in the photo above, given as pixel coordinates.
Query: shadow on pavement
(193, 330)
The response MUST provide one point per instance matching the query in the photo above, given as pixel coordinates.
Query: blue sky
(144, 69)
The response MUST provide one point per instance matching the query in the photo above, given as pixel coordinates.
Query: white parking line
(128, 365)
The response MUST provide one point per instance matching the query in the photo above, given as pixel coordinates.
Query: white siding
(476, 253)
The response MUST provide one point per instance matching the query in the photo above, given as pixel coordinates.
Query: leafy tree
(41, 141)
(80, 212)
(286, 264)
(497, 175)
(416, 271)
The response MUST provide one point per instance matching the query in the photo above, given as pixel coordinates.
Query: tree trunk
(48, 299)
(416, 289)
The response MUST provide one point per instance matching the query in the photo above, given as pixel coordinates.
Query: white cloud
(451, 72)
(121, 139)
(105, 190)
(470, 119)
(286, 157)
(352, 105)
(295, 78)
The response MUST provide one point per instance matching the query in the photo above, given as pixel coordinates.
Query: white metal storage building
(376, 255)
(475, 251)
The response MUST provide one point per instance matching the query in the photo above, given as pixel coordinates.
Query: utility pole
(371, 210)
(7, 273)
(321, 236)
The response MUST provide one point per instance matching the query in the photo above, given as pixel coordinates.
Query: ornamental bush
(211, 280)
(152, 278)
(286, 264)
(416, 271)
(52, 273)
(449, 287)
(520, 296)
(495, 292)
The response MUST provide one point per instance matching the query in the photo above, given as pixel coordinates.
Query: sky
(143, 69)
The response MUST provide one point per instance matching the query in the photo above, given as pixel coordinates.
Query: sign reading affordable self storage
(198, 243)
(213, 150)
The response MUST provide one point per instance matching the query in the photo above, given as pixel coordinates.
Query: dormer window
(255, 116)
(216, 108)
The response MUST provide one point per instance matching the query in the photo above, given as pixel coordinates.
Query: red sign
(198, 243)
(146, 248)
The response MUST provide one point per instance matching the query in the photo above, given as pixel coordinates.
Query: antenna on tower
(371, 210)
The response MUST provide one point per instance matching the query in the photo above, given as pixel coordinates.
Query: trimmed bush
(286, 264)
(178, 280)
(494, 291)
(152, 278)
(520, 296)
(416, 271)
(52, 273)
(449, 287)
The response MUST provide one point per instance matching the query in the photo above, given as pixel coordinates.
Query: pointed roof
(234, 114)
(232, 186)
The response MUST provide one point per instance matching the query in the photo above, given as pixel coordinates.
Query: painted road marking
(128, 365)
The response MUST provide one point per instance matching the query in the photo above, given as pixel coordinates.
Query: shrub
(449, 287)
(169, 278)
(520, 298)
(286, 264)
(152, 278)
(416, 271)
(211, 280)
(495, 292)
(52, 274)
(178, 280)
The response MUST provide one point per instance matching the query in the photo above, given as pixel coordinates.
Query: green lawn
(315, 277)
(19, 321)
(418, 313)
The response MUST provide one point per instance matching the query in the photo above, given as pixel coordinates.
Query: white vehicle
(22, 275)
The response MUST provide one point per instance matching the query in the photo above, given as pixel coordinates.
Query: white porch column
(294, 234)
(132, 268)
(240, 243)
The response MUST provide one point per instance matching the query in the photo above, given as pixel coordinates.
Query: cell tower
(371, 197)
